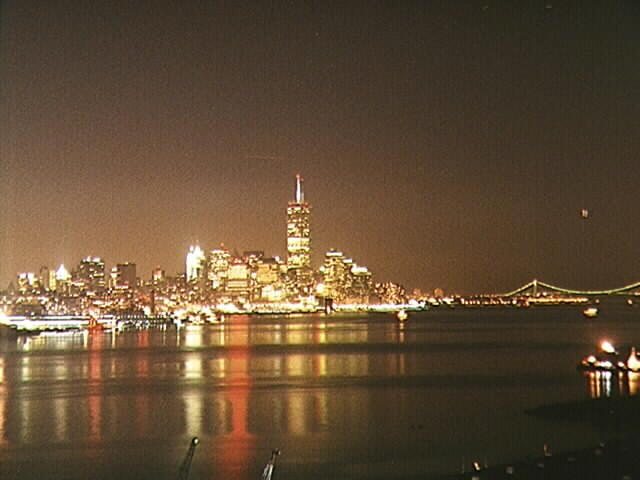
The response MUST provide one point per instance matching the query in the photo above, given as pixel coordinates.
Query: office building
(89, 277)
(195, 264)
(299, 269)
(124, 276)
(218, 268)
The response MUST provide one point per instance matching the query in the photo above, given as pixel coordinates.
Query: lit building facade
(334, 275)
(299, 269)
(158, 276)
(218, 268)
(239, 280)
(344, 281)
(63, 279)
(124, 276)
(45, 278)
(90, 276)
(27, 282)
(195, 264)
(268, 280)
(361, 288)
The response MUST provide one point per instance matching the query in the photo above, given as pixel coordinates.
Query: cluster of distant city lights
(220, 282)
(213, 283)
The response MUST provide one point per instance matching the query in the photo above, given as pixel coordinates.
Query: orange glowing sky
(443, 144)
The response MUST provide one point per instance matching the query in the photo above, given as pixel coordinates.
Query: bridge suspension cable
(534, 285)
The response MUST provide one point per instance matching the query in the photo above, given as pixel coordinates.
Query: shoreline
(613, 460)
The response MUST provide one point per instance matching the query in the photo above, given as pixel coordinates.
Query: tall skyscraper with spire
(299, 270)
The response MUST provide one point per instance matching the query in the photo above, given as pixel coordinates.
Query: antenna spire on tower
(299, 191)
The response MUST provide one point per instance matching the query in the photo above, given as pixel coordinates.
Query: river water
(343, 397)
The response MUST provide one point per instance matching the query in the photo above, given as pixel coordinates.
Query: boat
(590, 312)
(633, 363)
(609, 360)
(402, 315)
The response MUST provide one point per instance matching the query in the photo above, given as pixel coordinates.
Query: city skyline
(448, 145)
(213, 278)
(297, 261)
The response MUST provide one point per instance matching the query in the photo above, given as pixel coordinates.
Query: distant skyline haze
(444, 144)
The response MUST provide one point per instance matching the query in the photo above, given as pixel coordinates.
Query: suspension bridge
(537, 287)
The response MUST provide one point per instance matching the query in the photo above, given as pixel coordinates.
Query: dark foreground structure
(617, 460)
(618, 418)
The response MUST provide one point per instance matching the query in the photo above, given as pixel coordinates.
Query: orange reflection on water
(218, 336)
(25, 371)
(320, 333)
(296, 334)
(60, 417)
(142, 339)
(95, 418)
(296, 415)
(193, 336)
(401, 334)
(397, 364)
(142, 406)
(607, 384)
(634, 383)
(3, 419)
(193, 406)
(321, 408)
(319, 365)
(3, 406)
(295, 365)
(218, 367)
(238, 443)
(600, 384)
(193, 366)
(142, 366)
(95, 376)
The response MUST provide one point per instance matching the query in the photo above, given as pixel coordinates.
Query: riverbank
(618, 418)
(615, 460)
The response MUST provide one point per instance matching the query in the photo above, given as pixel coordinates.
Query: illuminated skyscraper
(299, 268)
(27, 282)
(63, 278)
(238, 283)
(344, 281)
(90, 275)
(335, 275)
(45, 278)
(158, 276)
(195, 264)
(218, 268)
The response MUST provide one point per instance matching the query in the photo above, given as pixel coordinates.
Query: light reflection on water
(332, 392)
(610, 384)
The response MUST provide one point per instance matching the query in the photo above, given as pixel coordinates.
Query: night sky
(443, 143)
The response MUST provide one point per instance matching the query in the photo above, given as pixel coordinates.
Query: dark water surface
(343, 397)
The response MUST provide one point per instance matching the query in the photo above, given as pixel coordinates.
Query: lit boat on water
(590, 312)
(609, 360)
(402, 315)
(633, 363)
